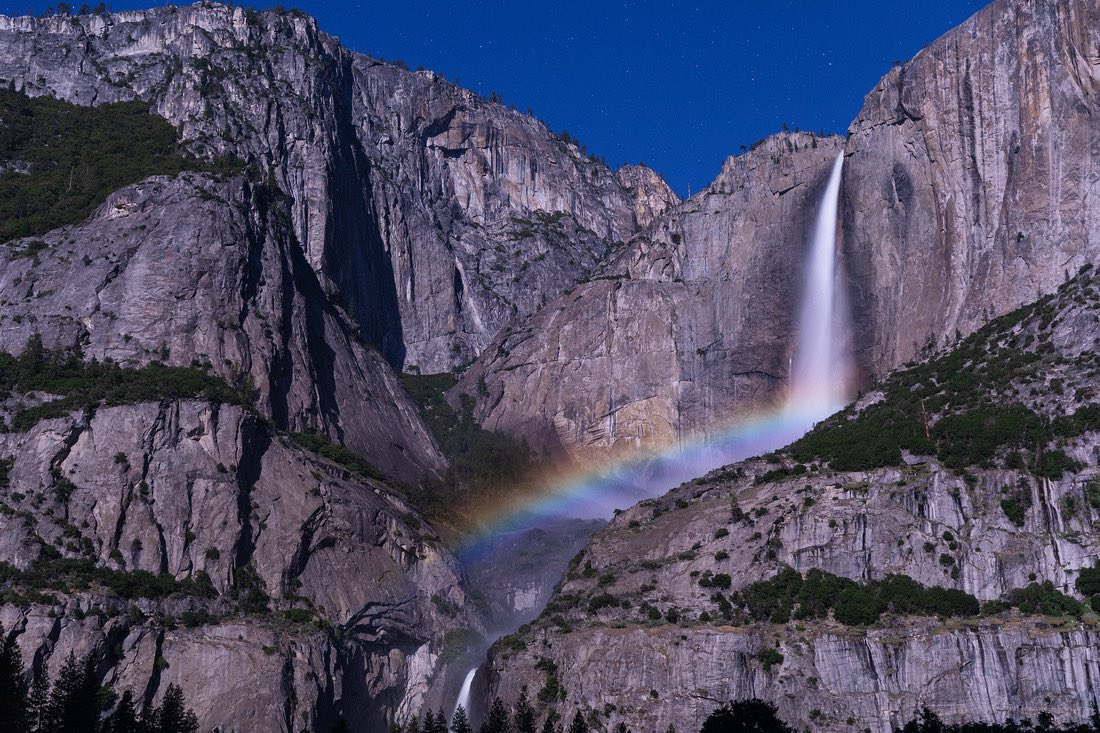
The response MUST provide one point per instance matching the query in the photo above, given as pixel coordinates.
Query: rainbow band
(587, 492)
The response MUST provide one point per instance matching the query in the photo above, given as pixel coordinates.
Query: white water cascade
(819, 380)
(464, 693)
(820, 369)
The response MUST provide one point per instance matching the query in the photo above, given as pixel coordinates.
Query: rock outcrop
(200, 490)
(684, 327)
(973, 176)
(1002, 505)
(861, 526)
(435, 216)
(216, 665)
(200, 270)
(970, 188)
(878, 680)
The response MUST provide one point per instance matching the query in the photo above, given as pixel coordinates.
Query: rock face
(434, 216)
(860, 526)
(198, 270)
(687, 325)
(195, 487)
(383, 216)
(486, 216)
(215, 665)
(973, 174)
(879, 681)
(971, 182)
(644, 607)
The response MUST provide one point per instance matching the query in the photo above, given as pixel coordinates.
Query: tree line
(521, 719)
(77, 703)
(743, 716)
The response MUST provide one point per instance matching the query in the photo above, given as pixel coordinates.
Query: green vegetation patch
(1088, 584)
(1044, 598)
(5, 471)
(791, 595)
(1015, 501)
(480, 462)
(973, 437)
(456, 643)
(66, 575)
(961, 406)
(61, 160)
(349, 459)
(87, 384)
(552, 690)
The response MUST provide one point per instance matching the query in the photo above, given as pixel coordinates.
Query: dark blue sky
(679, 85)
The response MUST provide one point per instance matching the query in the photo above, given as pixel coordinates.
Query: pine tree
(150, 719)
(498, 720)
(746, 716)
(460, 723)
(548, 726)
(429, 722)
(579, 724)
(440, 721)
(413, 726)
(174, 717)
(524, 714)
(87, 703)
(13, 700)
(74, 704)
(125, 718)
(39, 717)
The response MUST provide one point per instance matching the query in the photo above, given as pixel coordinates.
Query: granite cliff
(932, 545)
(433, 216)
(354, 597)
(691, 321)
(375, 219)
(970, 188)
(371, 218)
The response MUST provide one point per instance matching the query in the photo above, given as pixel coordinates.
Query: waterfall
(820, 371)
(820, 377)
(464, 693)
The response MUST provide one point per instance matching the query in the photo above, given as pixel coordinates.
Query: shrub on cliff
(746, 716)
(788, 594)
(83, 384)
(61, 160)
(76, 702)
(1044, 598)
(1088, 580)
(929, 722)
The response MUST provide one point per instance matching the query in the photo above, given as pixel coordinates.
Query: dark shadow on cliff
(355, 256)
(858, 277)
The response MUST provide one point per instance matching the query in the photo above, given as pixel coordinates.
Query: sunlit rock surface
(971, 185)
(688, 325)
(436, 216)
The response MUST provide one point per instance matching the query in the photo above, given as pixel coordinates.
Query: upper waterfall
(820, 377)
(820, 369)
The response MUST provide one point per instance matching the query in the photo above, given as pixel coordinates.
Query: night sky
(678, 85)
